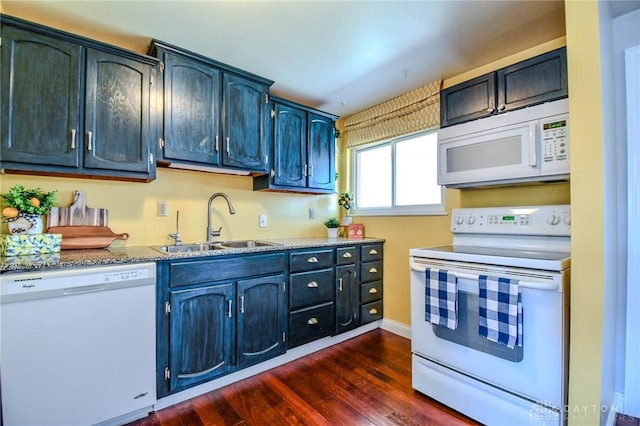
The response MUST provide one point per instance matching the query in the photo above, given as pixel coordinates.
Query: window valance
(413, 111)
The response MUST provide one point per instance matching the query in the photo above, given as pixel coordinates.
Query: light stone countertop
(140, 254)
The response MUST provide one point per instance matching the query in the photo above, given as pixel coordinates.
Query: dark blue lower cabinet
(347, 299)
(262, 319)
(202, 334)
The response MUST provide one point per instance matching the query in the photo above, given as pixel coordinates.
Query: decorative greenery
(332, 222)
(345, 200)
(32, 201)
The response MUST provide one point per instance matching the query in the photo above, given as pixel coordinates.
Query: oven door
(535, 371)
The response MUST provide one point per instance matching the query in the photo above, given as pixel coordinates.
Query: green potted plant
(23, 209)
(332, 225)
(346, 201)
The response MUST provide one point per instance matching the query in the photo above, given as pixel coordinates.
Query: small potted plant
(23, 209)
(346, 200)
(332, 225)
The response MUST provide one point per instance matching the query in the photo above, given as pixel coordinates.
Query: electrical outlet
(163, 208)
(312, 213)
(262, 221)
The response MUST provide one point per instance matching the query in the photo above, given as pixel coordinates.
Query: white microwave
(526, 145)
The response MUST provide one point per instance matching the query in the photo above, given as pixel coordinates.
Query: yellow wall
(587, 201)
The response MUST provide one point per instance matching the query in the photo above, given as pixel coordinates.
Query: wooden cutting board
(85, 237)
(77, 214)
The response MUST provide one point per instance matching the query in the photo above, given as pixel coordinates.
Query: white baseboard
(616, 406)
(396, 328)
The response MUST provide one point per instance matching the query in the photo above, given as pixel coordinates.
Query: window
(398, 177)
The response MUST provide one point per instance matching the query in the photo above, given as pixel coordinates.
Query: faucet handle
(216, 233)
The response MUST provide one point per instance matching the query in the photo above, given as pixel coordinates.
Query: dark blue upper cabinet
(117, 113)
(303, 150)
(191, 110)
(540, 79)
(214, 115)
(244, 111)
(74, 106)
(40, 99)
(289, 146)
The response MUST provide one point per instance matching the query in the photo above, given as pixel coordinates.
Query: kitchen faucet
(176, 236)
(210, 232)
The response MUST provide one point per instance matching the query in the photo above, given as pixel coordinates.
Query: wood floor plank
(362, 381)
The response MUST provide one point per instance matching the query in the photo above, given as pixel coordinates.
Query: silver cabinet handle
(313, 259)
(373, 251)
(73, 138)
(230, 302)
(227, 145)
(215, 145)
(373, 290)
(373, 270)
(242, 304)
(89, 137)
(312, 284)
(373, 311)
(306, 170)
(312, 321)
(347, 255)
(339, 284)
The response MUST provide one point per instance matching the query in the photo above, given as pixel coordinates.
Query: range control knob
(566, 219)
(471, 220)
(459, 220)
(553, 219)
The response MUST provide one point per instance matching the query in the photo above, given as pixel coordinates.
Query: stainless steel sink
(187, 248)
(217, 245)
(245, 244)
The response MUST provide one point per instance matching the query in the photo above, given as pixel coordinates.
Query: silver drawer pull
(373, 270)
(373, 251)
(373, 311)
(73, 139)
(313, 321)
(373, 290)
(313, 259)
(90, 140)
(347, 255)
(312, 284)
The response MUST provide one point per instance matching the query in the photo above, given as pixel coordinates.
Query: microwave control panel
(554, 135)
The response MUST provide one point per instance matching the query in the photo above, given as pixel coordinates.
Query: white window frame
(393, 210)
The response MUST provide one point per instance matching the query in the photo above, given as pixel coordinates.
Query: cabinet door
(468, 101)
(262, 319)
(290, 146)
(40, 85)
(321, 146)
(201, 339)
(117, 113)
(245, 109)
(536, 80)
(347, 299)
(191, 110)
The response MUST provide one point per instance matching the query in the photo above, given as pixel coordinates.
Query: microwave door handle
(550, 286)
(533, 145)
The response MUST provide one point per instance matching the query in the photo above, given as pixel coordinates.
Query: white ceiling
(337, 56)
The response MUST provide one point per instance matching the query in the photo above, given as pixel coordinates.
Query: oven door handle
(546, 286)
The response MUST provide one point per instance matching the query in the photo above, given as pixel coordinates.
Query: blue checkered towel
(500, 308)
(441, 301)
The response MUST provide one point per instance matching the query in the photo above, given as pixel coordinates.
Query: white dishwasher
(77, 345)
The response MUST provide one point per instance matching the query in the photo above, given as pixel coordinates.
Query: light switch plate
(262, 221)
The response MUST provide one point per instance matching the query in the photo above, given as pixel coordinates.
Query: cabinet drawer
(369, 252)
(310, 324)
(370, 292)
(310, 288)
(371, 271)
(346, 255)
(183, 273)
(310, 260)
(371, 312)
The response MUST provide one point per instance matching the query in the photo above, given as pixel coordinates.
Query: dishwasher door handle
(85, 289)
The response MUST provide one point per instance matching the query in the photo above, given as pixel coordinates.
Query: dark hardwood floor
(363, 381)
